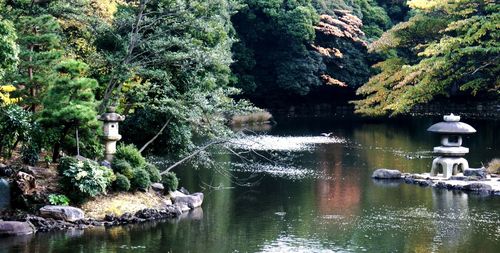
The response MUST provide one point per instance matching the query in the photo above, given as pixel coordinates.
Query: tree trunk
(57, 146)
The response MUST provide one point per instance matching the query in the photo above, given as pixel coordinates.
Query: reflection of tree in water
(342, 194)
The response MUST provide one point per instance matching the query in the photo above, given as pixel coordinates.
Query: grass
(252, 118)
(494, 166)
(120, 203)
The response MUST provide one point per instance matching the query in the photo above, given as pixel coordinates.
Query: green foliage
(83, 179)
(154, 173)
(9, 50)
(170, 181)
(123, 167)
(15, 125)
(141, 180)
(58, 199)
(130, 154)
(272, 55)
(448, 48)
(30, 154)
(122, 183)
(70, 102)
(179, 68)
(39, 43)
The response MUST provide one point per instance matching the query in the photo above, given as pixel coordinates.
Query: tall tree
(69, 102)
(448, 46)
(39, 43)
(172, 62)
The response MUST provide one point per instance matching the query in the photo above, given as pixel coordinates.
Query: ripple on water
(283, 143)
(288, 172)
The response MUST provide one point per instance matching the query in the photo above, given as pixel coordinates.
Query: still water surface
(320, 198)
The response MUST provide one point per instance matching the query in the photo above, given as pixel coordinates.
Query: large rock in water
(187, 202)
(479, 173)
(386, 174)
(10, 228)
(478, 187)
(66, 213)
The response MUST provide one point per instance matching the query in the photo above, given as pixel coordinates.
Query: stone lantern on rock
(450, 154)
(111, 134)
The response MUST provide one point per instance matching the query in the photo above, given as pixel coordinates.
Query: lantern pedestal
(449, 165)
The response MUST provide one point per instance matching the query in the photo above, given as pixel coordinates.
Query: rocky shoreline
(43, 224)
(25, 223)
(478, 182)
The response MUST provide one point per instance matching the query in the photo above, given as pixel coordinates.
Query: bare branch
(192, 155)
(156, 136)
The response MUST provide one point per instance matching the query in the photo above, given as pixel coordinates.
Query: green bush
(170, 181)
(58, 199)
(130, 154)
(122, 183)
(141, 180)
(83, 179)
(154, 173)
(30, 154)
(123, 167)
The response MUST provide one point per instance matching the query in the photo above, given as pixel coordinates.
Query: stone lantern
(110, 129)
(450, 155)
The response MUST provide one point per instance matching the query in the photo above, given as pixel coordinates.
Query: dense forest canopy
(186, 66)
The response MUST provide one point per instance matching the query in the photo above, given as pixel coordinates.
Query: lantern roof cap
(111, 116)
(451, 125)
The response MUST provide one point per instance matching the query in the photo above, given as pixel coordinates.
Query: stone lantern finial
(111, 135)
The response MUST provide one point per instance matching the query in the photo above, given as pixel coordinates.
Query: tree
(171, 65)
(272, 56)
(69, 102)
(447, 47)
(8, 48)
(39, 44)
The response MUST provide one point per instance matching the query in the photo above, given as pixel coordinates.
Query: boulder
(386, 174)
(5, 171)
(187, 202)
(4, 194)
(66, 213)
(479, 173)
(157, 187)
(25, 183)
(14, 228)
(478, 187)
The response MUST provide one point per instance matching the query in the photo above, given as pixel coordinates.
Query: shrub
(123, 167)
(30, 154)
(130, 154)
(494, 166)
(170, 181)
(58, 199)
(122, 183)
(141, 180)
(84, 179)
(154, 173)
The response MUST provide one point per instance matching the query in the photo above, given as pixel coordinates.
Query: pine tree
(39, 44)
(70, 101)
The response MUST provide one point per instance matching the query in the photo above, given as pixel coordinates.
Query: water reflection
(336, 207)
(452, 224)
(341, 195)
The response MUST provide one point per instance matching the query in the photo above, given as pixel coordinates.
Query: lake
(315, 195)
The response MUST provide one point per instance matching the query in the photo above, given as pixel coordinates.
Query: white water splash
(283, 143)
